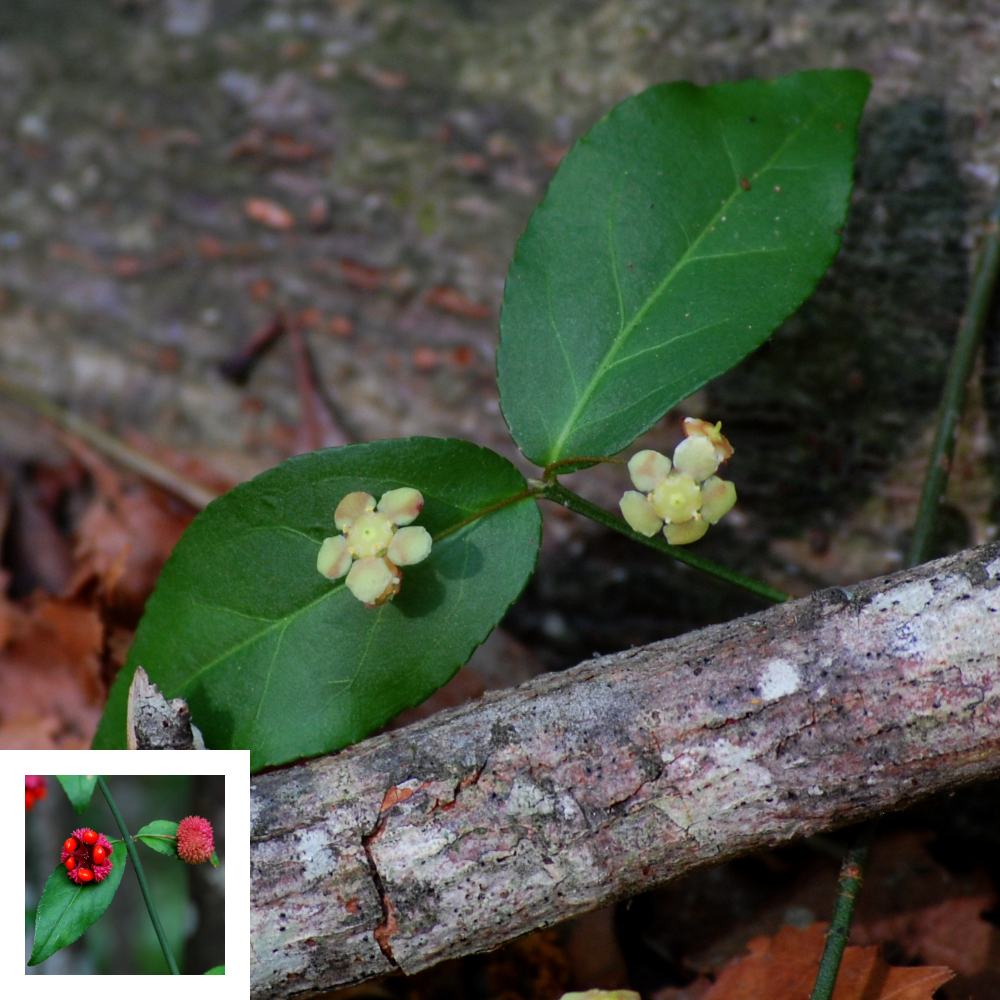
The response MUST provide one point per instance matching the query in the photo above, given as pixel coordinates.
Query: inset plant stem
(573, 501)
(848, 886)
(953, 399)
(141, 876)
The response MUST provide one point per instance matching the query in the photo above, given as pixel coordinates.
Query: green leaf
(161, 836)
(79, 788)
(66, 909)
(272, 657)
(214, 859)
(219, 970)
(674, 238)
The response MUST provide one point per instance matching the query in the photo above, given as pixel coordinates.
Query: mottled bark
(461, 832)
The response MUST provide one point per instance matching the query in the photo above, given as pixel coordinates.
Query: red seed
(70, 845)
(70, 864)
(99, 855)
(85, 875)
(89, 837)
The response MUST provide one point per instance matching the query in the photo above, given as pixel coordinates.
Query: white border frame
(235, 765)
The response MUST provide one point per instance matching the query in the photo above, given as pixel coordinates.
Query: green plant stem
(848, 886)
(141, 876)
(573, 501)
(962, 357)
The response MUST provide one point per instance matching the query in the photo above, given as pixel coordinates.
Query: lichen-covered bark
(464, 831)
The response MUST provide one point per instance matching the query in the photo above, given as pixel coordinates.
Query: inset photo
(125, 874)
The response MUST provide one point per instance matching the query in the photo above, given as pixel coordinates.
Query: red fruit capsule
(85, 875)
(70, 845)
(89, 837)
(70, 864)
(100, 855)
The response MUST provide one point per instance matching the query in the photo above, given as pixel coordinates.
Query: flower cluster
(35, 788)
(683, 497)
(375, 543)
(87, 856)
(194, 840)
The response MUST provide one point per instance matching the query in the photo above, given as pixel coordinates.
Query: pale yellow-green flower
(377, 539)
(683, 497)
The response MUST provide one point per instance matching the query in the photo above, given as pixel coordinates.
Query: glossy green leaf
(214, 859)
(78, 788)
(219, 970)
(160, 836)
(66, 909)
(674, 238)
(272, 657)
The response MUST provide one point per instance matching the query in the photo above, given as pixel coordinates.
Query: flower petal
(677, 498)
(695, 457)
(639, 514)
(694, 427)
(372, 580)
(648, 469)
(410, 545)
(401, 506)
(686, 532)
(334, 558)
(352, 507)
(718, 497)
(370, 535)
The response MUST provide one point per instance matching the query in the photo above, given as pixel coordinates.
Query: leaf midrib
(626, 331)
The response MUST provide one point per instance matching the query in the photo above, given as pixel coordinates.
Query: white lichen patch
(908, 599)
(779, 679)
(993, 569)
(526, 799)
(314, 853)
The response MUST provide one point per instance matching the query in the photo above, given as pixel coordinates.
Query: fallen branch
(457, 834)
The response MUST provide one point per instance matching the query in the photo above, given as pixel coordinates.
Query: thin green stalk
(962, 358)
(848, 886)
(141, 876)
(573, 501)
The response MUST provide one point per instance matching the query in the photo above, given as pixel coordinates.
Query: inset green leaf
(161, 836)
(674, 238)
(79, 788)
(273, 657)
(66, 909)
(219, 970)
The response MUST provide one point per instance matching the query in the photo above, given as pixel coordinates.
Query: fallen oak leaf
(950, 933)
(784, 967)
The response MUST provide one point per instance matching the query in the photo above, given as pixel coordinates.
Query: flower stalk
(558, 493)
(140, 874)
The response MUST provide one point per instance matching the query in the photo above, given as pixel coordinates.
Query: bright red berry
(29, 801)
(87, 862)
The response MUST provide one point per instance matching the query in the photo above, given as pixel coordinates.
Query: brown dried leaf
(950, 933)
(269, 213)
(784, 967)
(450, 300)
(124, 537)
(51, 693)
